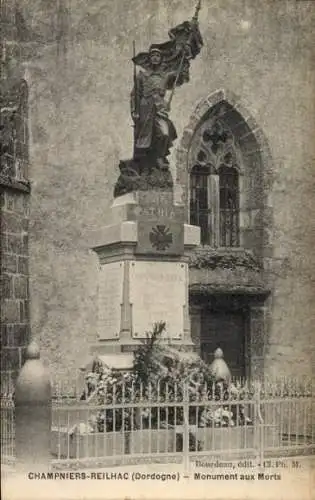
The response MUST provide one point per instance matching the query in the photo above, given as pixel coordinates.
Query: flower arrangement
(163, 375)
(207, 257)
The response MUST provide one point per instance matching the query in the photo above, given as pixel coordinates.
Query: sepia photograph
(157, 187)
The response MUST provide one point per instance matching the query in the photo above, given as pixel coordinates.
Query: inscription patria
(157, 212)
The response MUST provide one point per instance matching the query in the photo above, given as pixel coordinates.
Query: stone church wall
(81, 128)
(15, 321)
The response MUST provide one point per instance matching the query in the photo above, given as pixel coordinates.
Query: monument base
(135, 175)
(143, 275)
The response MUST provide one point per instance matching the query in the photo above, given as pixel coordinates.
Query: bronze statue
(163, 68)
(154, 131)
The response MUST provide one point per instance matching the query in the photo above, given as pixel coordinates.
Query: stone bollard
(33, 413)
(219, 368)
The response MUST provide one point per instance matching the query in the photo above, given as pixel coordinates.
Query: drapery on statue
(163, 68)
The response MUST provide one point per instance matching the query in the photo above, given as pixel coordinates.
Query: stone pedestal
(143, 272)
(33, 413)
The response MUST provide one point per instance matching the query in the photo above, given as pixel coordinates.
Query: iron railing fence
(126, 423)
(7, 422)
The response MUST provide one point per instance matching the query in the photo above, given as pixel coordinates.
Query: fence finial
(32, 351)
(218, 367)
(218, 353)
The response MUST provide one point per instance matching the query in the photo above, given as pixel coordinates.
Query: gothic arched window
(214, 186)
(14, 151)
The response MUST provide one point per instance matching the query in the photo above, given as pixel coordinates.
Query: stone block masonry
(15, 321)
(92, 128)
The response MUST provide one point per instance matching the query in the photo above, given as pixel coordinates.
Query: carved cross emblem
(160, 237)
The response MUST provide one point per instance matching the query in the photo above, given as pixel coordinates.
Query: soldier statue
(163, 68)
(154, 131)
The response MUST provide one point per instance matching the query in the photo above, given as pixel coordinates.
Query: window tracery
(14, 135)
(214, 184)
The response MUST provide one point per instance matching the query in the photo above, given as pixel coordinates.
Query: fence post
(186, 428)
(33, 412)
(259, 427)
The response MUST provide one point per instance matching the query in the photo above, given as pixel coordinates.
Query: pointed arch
(222, 132)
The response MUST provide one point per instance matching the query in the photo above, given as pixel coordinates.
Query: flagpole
(135, 85)
(195, 21)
